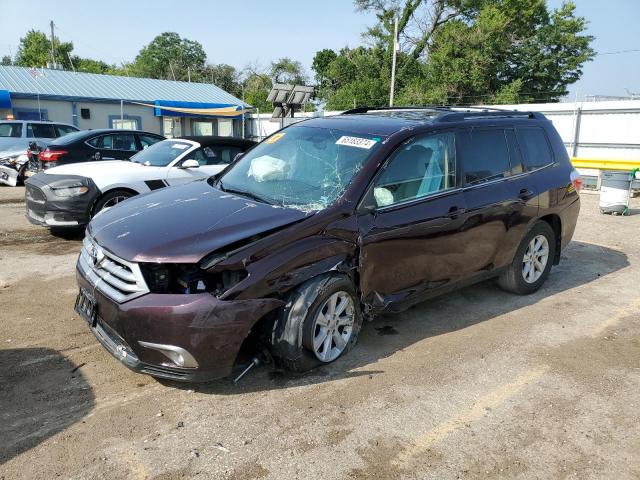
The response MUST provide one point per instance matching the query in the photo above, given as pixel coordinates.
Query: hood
(9, 145)
(90, 169)
(183, 224)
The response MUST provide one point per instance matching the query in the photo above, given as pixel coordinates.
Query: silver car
(15, 139)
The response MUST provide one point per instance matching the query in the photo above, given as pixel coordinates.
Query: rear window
(535, 146)
(40, 130)
(485, 155)
(11, 130)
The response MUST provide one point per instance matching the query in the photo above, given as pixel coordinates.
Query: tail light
(49, 158)
(49, 155)
(576, 180)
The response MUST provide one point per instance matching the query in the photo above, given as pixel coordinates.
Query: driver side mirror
(190, 163)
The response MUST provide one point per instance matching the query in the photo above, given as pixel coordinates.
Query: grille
(34, 194)
(116, 278)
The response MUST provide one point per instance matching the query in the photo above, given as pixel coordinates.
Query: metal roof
(60, 84)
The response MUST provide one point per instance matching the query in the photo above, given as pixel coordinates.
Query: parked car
(70, 195)
(323, 223)
(94, 145)
(18, 138)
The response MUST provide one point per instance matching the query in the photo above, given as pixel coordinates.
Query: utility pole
(53, 48)
(393, 62)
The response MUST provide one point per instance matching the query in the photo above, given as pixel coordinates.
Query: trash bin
(615, 191)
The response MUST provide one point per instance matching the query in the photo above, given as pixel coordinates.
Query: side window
(484, 154)
(119, 141)
(424, 166)
(224, 155)
(148, 140)
(40, 130)
(95, 142)
(536, 149)
(515, 154)
(201, 155)
(62, 130)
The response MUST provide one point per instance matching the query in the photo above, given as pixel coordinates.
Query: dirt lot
(477, 384)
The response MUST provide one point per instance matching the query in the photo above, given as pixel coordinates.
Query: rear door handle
(525, 194)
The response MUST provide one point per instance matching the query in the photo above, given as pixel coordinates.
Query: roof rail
(456, 115)
(460, 112)
(365, 109)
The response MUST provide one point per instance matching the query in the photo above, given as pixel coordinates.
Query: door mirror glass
(190, 163)
(423, 166)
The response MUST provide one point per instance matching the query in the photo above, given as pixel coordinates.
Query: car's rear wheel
(320, 323)
(532, 262)
(111, 199)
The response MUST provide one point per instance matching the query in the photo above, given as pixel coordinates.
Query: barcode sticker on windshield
(356, 142)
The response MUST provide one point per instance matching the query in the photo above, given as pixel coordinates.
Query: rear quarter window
(40, 130)
(535, 147)
(484, 154)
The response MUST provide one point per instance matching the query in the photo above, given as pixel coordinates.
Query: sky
(240, 32)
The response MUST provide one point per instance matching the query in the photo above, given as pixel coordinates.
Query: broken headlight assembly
(70, 191)
(189, 279)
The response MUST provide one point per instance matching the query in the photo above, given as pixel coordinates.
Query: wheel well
(121, 189)
(556, 224)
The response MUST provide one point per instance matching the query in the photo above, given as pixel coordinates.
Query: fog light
(179, 356)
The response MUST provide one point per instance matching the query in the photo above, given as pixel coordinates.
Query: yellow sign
(274, 138)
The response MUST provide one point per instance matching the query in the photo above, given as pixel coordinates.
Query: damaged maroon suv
(322, 224)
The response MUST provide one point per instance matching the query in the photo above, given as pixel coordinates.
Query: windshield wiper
(251, 195)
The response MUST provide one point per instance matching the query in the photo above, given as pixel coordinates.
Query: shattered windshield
(301, 167)
(162, 153)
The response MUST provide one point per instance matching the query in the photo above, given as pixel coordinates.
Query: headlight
(71, 191)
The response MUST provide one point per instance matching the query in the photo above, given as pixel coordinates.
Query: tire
(302, 320)
(109, 199)
(521, 279)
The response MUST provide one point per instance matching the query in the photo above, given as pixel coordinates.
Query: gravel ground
(475, 384)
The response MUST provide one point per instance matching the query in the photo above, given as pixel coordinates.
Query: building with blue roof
(89, 100)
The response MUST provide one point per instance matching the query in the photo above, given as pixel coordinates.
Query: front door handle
(456, 211)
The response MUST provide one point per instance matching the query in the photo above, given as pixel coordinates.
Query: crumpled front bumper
(211, 330)
(45, 208)
(8, 175)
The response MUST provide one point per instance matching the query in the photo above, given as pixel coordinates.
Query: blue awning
(195, 109)
(5, 99)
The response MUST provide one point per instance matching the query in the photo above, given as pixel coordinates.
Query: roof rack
(454, 113)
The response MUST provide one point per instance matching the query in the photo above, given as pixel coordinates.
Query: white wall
(606, 130)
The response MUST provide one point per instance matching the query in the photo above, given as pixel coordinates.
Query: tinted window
(425, 165)
(148, 140)
(119, 141)
(62, 130)
(484, 154)
(40, 130)
(95, 142)
(216, 154)
(11, 130)
(536, 148)
(515, 154)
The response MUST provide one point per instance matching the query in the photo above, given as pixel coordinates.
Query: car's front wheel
(111, 199)
(532, 262)
(320, 323)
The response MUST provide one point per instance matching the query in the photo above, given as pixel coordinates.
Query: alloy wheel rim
(114, 201)
(535, 259)
(333, 326)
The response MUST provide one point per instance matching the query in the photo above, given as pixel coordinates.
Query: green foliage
(88, 65)
(169, 56)
(459, 52)
(285, 70)
(256, 89)
(224, 76)
(35, 50)
(6, 60)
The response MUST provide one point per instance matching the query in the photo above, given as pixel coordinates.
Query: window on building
(536, 149)
(225, 127)
(424, 166)
(202, 127)
(124, 123)
(485, 155)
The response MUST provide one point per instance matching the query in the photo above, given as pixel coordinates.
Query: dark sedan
(93, 145)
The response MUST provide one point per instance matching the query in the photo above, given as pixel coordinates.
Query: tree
(168, 56)
(35, 50)
(285, 70)
(256, 88)
(6, 60)
(224, 76)
(459, 52)
(88, 65)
